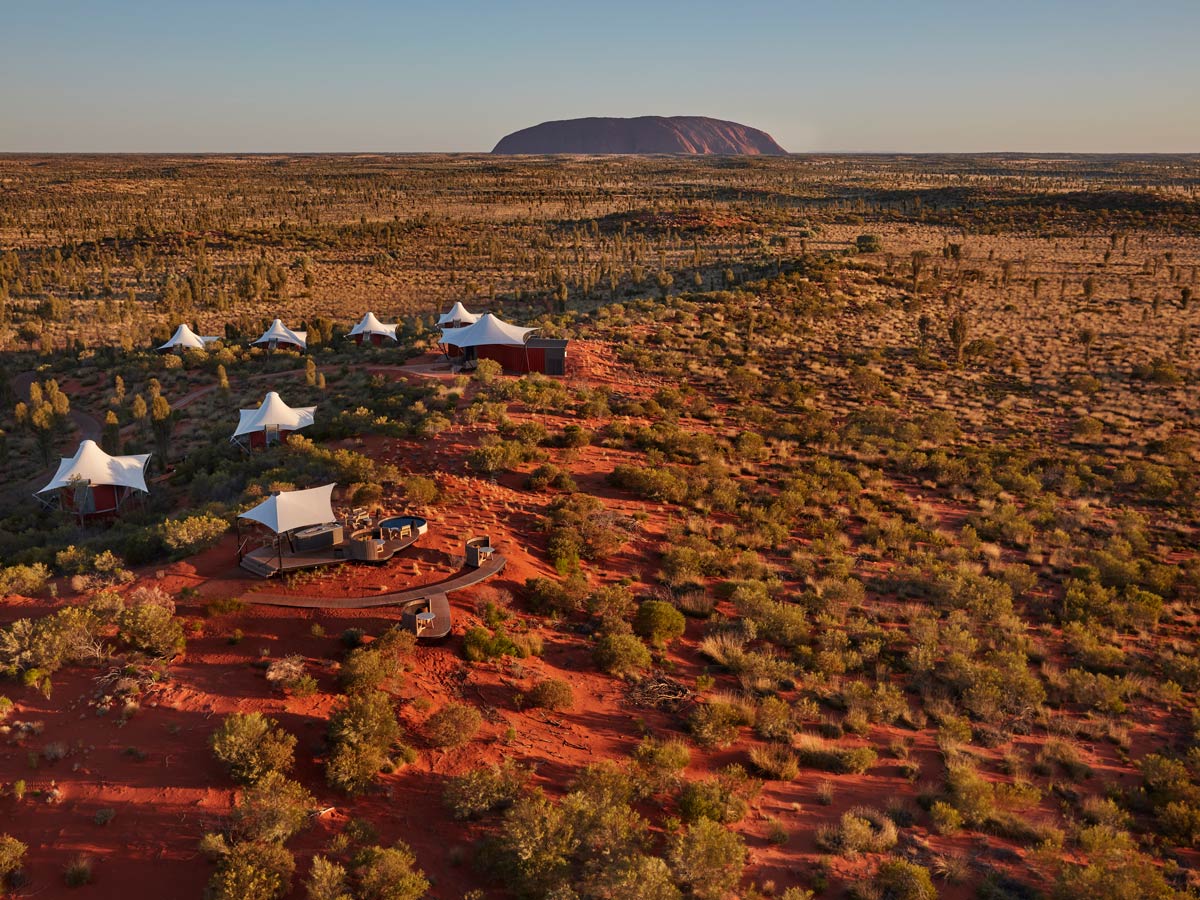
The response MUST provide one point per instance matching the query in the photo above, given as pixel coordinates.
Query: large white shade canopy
(371, 325)
(458, 315)
(279, 333)
(185, 337)
(289, 510)
(274, 412)
(488, 330)
(91, 466)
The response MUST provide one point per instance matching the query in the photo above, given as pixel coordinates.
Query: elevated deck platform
(268, 562)
(465, 579)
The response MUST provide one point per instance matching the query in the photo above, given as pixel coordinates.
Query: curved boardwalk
(465, 579)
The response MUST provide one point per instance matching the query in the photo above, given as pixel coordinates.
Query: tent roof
(91, 465)
(458, 313)
(488, 330)
(274, 411)
(289, 510)
(372, 325)
(280, 332)
(185, 337)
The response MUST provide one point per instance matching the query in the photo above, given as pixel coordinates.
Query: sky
(371, 75)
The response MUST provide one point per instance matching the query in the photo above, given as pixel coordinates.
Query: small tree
(708, 859)
(960, 334)
(252, 746)
(390, 874)
(12, 856)
(659, 623)
(621, 654)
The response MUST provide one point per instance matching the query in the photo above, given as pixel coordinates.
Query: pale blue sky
(872, 75)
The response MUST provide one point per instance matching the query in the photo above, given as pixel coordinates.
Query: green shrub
(272, 809)
(661, 761)
(484, 790)
(192, 534)
(659, 623)
(453, 725)
(12, 857)
(816, 753)
(621, 654)
(775, 761)
(252, 871)
(861, 830)
(362, 732)
(725, 798)
(389, 874)
(28, 581)
(717, 721)
(326, 881)
(552, 694)
(898, 879)
(252, 746)
(708, 859)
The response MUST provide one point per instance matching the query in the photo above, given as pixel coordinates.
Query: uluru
(687, 135)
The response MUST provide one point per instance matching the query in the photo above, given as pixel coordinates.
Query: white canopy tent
(488, 330)
(458, 315)
(186, 339)
(273, 416)
(289, 510)
(92, 466)
(370, 325)
(278, 333)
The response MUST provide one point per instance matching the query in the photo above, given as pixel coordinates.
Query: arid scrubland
(856, 554)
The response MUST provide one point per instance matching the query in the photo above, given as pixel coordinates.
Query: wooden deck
(265, 561)
(466, 578)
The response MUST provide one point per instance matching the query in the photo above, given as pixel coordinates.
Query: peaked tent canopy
(487, 331)
(278, 333)
(186, 338)
(289, 510)
(92, 466)
(274, 413)
(371, 325)
(458, 315)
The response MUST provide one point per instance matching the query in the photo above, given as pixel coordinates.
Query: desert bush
(816, 753)
(453, 725)
(252, 746)
(946, 819)
(484, 790)
(551, 693)
(389, 874)
(28, 581)
(481, 644)
(362, 731)
(326, 881)
(775, 761)
(899, 879)
(661, 762)
(150, 627)
(774, 719)
(708, 859)
(659, 623)
(12, 857)
(1118, 875)
(192, 534)
(717, 721)
(621, 654)
(861, 830)
(724, 798)
(252, 871)
(272, 809)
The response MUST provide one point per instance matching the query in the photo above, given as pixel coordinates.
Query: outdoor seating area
(306, 533)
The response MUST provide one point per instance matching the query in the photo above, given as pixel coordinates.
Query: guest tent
(93, 483)
(185, 339)
(372, 331)
(457, 317)
(279, 335)
(271, 422)
(509, 345)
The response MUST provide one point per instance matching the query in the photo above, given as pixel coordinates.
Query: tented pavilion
(93, 483)
(272, 422)
(457, 317)
(510, 345)
(279, 336)
(371, 331)
(185, 339)
(305, 527)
